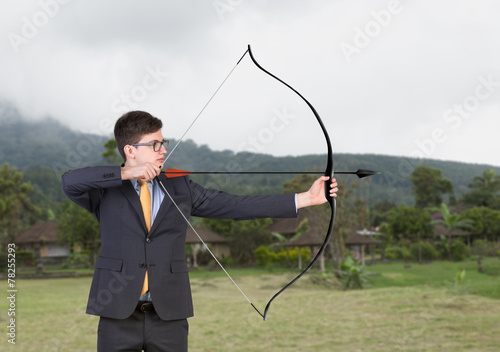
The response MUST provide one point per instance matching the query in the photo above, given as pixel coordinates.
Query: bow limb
(175, 204)
(329, 171)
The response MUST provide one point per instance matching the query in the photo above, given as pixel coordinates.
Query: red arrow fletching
(171, 173)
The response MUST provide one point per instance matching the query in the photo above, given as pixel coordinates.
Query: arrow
(361, 173)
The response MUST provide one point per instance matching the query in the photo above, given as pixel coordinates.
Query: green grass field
(412, 309)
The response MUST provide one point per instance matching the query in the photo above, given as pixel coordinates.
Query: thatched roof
(316, 223)
(207, 236)
(308, 239)
(355, 239)
(440, 229)
(317, 230)
(41, 232)
(456, 209)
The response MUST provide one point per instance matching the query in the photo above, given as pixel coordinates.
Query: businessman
(140, 287)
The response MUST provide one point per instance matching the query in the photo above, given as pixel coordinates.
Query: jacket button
(148, 240)
(142, 265)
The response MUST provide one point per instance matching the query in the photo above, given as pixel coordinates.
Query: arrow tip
(362, 173)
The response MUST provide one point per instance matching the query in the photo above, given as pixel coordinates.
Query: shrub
(25, 258)
(428, 251)
(79, 259)
(480, 248)
(459, 250)
(226, 261)
(397, 253)
(353, 273)
(265, 257)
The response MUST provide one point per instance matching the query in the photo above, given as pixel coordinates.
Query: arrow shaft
(361, 173)
(257, 172)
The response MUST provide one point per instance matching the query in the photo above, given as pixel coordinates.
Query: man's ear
(129, 152)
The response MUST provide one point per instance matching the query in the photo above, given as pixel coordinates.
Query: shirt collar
(137, 186)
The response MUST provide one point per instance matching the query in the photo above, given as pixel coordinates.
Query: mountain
(44, 149)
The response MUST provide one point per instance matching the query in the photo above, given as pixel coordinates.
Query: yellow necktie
(145, 198)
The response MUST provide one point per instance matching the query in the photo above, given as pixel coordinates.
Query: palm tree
(452, 222)
(488, 182)
(301, 229)
(484, 189)
(16, 207)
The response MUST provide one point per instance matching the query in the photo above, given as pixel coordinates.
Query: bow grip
(327, 187)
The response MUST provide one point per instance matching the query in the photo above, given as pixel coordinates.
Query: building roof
(47, 232)
(317, 230)
(366, 232)
(207, 236)
(356, 239)
(440, 229)
(43, 231)
(313, 237)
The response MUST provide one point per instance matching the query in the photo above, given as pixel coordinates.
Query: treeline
(44, 149)
(470, 224)
(406, 229)
(35, 154)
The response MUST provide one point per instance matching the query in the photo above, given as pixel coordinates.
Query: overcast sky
(403, 78)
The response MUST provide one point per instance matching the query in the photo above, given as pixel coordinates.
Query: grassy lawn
(402, 309)
(441, 274)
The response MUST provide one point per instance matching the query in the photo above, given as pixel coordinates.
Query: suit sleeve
(85, 186)
(216, 204)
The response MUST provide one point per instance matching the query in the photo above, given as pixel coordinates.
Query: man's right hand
(144, 172)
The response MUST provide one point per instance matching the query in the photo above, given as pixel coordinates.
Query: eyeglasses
(156, 145)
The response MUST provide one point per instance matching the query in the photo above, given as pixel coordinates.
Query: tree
(77, 226)
(16, 207)
(428, 186)
(347, 216)
(484, 190)
(452, 222)
(110, 154)
(486, 221)
(244, 236)
(379, 211)
(47, 190)
(405, 222)
(301, 229)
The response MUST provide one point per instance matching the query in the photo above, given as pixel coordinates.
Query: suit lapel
(129, 192)
(166, 203)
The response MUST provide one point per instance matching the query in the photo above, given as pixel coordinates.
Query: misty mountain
(44, 149)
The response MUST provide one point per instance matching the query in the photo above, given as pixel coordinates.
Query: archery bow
(329, 171)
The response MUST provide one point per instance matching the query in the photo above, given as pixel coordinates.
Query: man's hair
(132, 126)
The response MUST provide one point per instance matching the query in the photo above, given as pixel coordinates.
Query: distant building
(218, 244)
(41, 239)
(313, 238)
(361, 242)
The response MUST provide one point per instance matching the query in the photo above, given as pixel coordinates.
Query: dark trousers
(142, 331)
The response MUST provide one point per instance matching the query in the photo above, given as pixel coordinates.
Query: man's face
(145, 153)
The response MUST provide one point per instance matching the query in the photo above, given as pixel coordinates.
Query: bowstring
(203, 109)
(175, 204)
(206, 246)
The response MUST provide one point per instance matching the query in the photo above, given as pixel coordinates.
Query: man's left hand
(316, 194)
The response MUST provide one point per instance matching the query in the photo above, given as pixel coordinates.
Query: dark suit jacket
(127, 250)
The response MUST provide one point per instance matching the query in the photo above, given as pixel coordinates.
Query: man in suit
(140, 287)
